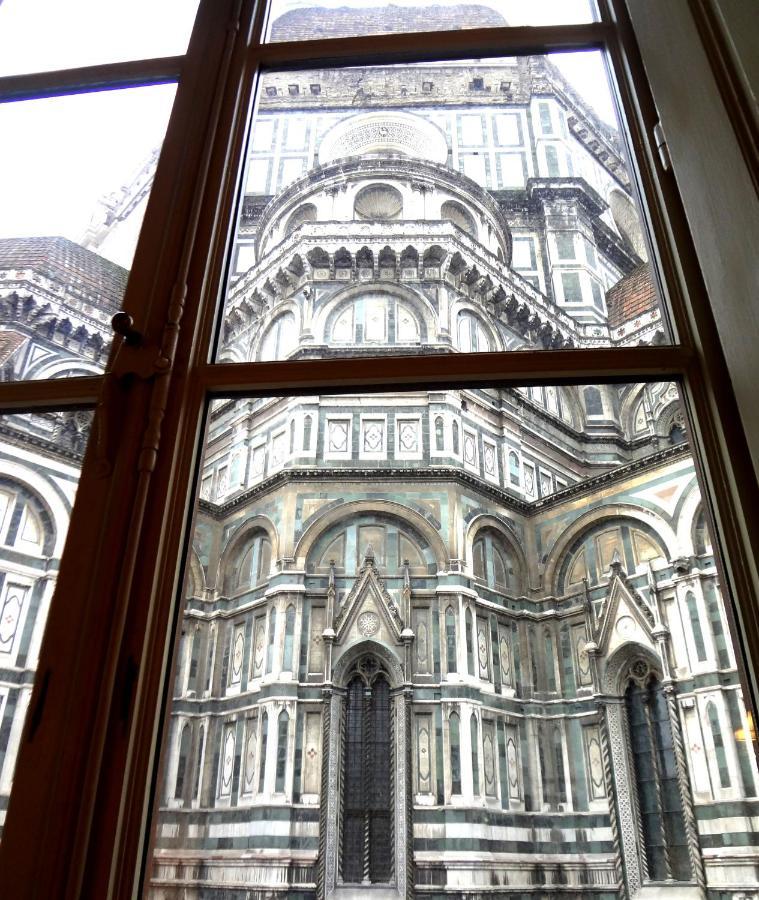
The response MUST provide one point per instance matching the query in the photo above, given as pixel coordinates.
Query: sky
(59, 156)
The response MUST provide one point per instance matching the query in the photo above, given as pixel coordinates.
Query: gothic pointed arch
(485, 522)
(336, 318)
(236, 545)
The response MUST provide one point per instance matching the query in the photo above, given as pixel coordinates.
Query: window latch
(661, 145)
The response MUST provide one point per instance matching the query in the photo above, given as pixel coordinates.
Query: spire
(331, 582)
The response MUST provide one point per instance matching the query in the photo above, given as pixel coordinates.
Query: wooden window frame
(76, 823)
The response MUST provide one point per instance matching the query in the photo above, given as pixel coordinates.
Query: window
(571, 289)
(262, 752)
(695, 624)
(455, 212)
(454, 752)
(283, 725)
(664, 838)
(287, 659)
(469, 642)
(565, 245)
(368, 779)
(129, 524)
(475, 745)
(271, 646)
(182, 759)
(450, 638)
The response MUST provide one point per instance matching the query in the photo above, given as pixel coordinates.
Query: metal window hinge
(661, 145)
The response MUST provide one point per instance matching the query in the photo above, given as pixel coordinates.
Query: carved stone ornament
(368, 623)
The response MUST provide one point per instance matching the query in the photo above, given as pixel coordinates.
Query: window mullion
(62, 821)
(56, 393)
(109, 76)
(434, 371)
(477, 43)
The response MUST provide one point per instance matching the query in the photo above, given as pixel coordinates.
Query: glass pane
(296, 20)
(44, 35)
(40, 458)
(424, 567)
(74, 190)
(438, 208)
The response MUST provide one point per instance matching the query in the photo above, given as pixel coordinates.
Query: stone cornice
(24, 439)
(439, 474)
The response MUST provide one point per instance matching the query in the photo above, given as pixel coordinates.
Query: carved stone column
(689, 814)
(330, 817)
(404, 848)
(611, 791)
(625, 794)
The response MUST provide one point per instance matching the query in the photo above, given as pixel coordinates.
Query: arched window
(439, 434)
(306, 212)
(550, 662)
(472, 336)
(591, 556)
(456, 438)
(514, 469)
(719, 745)
(469, 642)
(262, 752)
(192, 676)
(450, 639)
(392, 542)
(307, 425)
(283, 726)
(455, 212)
(292, 436)
(255, 561)
(210, 657)
(544, 754)
(287, 659)
(367, 851)
(695, 625)
(558, 763)
(516, 656)
(23, 524)
(500, 576)
(198, 763)
(656, 781)
(534, 657)
(715, 623)
(475, 740)
(184, 752)
(552, 162)
(702, 542)
(478, 553)
(494, 564)
(270, 645)
(454, 747)
(280, 339)
(593, 402)
(378, 202)
(567, 667)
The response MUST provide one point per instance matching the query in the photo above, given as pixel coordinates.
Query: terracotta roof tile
(81, 271)
(632, 296)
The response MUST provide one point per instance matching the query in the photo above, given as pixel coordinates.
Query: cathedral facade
(443, 643)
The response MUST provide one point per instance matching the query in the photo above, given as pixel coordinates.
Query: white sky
(41, 35)
(59, 156)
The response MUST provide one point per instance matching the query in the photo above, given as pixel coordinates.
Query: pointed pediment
(368, 610)
(624, 616)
